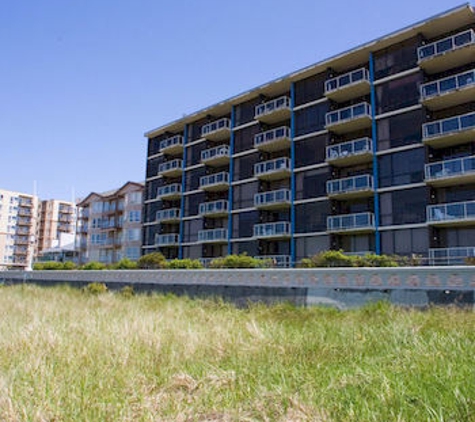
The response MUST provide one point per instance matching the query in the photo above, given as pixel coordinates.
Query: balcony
(449, 92)
(215, 209)
(217, 130)
(276, 169)
(171, 168)
(452, 214)
(350, 85)
(24, 221)
(25, 202)
(22, 240)
(275, 231)
(449, 132)
(24, 212)
(20, 251)
(218, 156)
(351, 223)
(272, 200)
(349, 153)
(349, 119)
(273, 140)
(451, 172)
(273, 111)
(172, 146)
(447, 53)
(171, 239)
(351, 187)
(450, 256)
(278, 261)
(215, 182)
(23, 230)
(213, 236)
(66, 209)
(169, 192)
(170, 215)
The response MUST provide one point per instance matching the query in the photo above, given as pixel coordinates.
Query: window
(132, 253)
(402, 168)
(311, 217)
(400, 130)
(310, 151)
(134, 216)
(134, 198)
(133, 234)
(310, 119)
(399, 93)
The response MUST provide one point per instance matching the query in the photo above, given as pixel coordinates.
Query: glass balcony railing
(350, 185)
(278, 229)
(169, 191)
(455, 212)
(273, 140)
(450, 131)
(446, 86)
(24, 221)
(213, 236)
(456, 169)
(215, 181)
(218, 129)
(171, 239)
(278, 261)
(273, 107)
(171, 167)
(356, 83)
(175, 143)
(358, 150)
(171, 214)
(451, 256)
(272, 169)
(214, 208)
(24, 212)
(350, 222)
(25, 202)
(272, 199)
(349, 118)
(446, 45)
(217, 154)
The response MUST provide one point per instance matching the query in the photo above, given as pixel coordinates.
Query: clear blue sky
(82, 80)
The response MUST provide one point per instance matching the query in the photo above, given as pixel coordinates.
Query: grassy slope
(68, 356)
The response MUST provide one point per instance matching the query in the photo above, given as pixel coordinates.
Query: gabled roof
(110, 193)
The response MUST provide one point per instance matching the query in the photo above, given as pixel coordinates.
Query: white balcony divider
(350, 148)
(276, 229)
(171, 142)
(271, 106)
(349, 113)
(173, 189)
(448, 85)
(220, 151)
(350, 184)
(170, 165)
(350, 78)
(168, 214)
(214, 179)
(438, 48)
(272, 197)
(348, 222)
(215, 207)
(458, 211)
(450, 256)
(170, 239)
(215, 126)
(447, 126)
(450, 168)
(272, 135)
(271, 166)
(213, 235)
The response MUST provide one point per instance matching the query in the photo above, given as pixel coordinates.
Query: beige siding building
(110, 225)
(19, 220)
(57, 227)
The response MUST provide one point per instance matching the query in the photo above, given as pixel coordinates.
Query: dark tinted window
(311, 217)
(403, 129)
(401, 168)
(398, 93)
(309, 89)
(310, 119)
(310, 151)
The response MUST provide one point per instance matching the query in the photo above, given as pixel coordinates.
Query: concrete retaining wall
(340, 287)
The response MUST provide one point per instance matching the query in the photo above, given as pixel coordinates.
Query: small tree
(94, 265)
(152, 261)
(185, 264)
(237, 261)
(125, 264)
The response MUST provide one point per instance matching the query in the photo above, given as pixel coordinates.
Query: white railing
(279, 228)
(214, 179)
(450, 168)
(347, 222)
(170, 239)
(437, 48)
(448, 126)
(272, 166)
(272, 106)
(448, 85)
(350, 148)
(348, 79)
(212, 235)
(451, 256)
(350, 184)
(221, 151)
(270, 136)
(347, 114)
(216, 126)
(176, 140)
(167, 214)
(214, 207)
(167, 190)
(280, 196)
(170, 165)
(457, 211)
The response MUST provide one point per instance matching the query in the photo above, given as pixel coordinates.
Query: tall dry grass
(69, 356)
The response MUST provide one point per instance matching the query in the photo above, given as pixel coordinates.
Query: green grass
(70, 356)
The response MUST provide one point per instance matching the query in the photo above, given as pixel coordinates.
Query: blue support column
(231, 177)
(292, 176)
(183, 187)
(374, 136)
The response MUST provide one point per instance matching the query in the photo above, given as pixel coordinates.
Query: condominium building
(110, 225)
(57, 228)
(18, 229)
(370, 150)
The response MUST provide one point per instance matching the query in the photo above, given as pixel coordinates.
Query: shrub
(69, 265)
(373, 260)
(48, 265)
(127, 291)
(339, 259)
(186, 264)
(152, 261)
(237, 261)
(94, 265)
(125, 264)
(95, 288)
(470, 260)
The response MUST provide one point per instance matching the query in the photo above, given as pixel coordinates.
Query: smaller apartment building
(57, 228)
(18, 229)
(110, 225)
